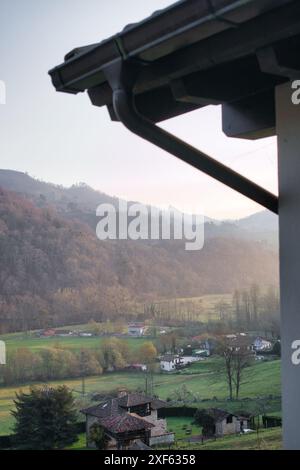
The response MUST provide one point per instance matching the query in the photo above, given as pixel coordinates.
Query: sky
(63, 139)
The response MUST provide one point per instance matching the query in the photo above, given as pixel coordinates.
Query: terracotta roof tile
(124, 423)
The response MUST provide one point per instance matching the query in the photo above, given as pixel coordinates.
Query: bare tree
(228, 355)
(236, 305)
(236, 359)
(229, 367)
(246, 307)
(222, 309)
(241, 360)
(255, 297)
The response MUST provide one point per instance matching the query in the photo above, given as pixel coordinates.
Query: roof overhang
(192, 54)
(187, 56)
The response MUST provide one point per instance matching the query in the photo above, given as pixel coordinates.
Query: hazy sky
(64, 139)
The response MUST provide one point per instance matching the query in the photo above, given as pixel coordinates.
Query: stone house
(129, 418)
(228, 423)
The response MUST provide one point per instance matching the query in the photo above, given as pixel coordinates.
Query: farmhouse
(63, 333)
(261, 344)
(130, 419)
(136, 329)
(240, 342)
(227, 423)
(47, 333)
(170, 362)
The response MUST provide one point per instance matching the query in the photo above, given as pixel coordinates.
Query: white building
(136, 329)
(170, 362)
(2, 353)
(261, 344)
(187, 360)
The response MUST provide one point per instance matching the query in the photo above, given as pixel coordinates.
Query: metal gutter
(121, 76)
(168, 30)
(232, 44)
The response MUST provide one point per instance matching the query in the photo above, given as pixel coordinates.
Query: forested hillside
(55, 271)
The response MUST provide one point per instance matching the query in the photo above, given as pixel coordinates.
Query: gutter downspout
(121, 78)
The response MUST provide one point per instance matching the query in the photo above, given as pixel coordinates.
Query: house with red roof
(129, 419)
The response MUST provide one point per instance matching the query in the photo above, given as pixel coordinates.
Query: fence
(271, 421)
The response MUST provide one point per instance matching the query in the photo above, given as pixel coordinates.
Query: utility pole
(82, 371)
(149, 387)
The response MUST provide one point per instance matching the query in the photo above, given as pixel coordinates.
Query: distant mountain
(43, 194)
(55, 271)
(80, 200)
(262, 226)
(264, 221)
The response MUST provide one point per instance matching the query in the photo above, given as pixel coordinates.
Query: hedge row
(6, 441)
(177, 411)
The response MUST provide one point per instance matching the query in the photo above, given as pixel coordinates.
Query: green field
(204, 380)
(18, 340)
(266, 439)
(80, 444)
(183, 427)
(206, 304)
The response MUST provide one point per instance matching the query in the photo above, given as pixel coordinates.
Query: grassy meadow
(35, 344)
(265, 439)
(203, 379)
(183, 427)
(206, 305)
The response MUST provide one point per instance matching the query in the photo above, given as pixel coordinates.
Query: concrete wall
(223, 428)
(160, 425)
(288, 132)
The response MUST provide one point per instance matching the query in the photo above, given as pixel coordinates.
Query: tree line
(55, 272)
(57, 363)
